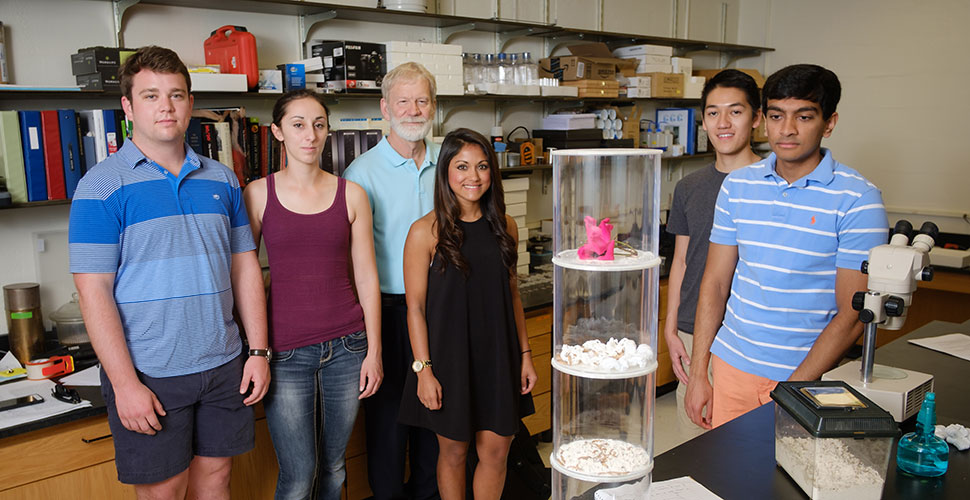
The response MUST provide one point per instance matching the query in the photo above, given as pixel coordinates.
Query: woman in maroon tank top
(316, 228)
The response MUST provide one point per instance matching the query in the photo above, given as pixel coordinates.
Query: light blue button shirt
(400, 193)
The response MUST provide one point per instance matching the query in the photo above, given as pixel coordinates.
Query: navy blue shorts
(205, 416)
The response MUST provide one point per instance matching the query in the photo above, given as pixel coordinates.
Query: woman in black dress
(473, 367)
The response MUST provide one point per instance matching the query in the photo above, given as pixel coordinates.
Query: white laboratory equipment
(605, 287)
(893, 270)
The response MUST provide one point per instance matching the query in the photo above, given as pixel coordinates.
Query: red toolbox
(234, 50)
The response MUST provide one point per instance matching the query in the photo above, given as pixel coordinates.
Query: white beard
(410, 131)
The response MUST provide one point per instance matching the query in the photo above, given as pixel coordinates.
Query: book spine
(70, 150)
(252, 152)
(33, 143)
(12, 157)
(53, 160)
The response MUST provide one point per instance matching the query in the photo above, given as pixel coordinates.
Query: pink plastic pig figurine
(599, 241)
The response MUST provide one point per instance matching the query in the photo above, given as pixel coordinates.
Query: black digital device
(10, 404)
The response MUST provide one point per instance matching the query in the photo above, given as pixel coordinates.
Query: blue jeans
(311, 407)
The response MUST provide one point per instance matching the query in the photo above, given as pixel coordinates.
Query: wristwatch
(419, 365)
(266, 353)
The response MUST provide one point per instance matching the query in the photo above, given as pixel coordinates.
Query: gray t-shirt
(692, 214)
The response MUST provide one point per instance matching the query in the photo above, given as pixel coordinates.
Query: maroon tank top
(311, 299)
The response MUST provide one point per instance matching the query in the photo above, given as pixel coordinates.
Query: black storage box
(569, 139)
(351, 66)
(95, 59)
(105, 79)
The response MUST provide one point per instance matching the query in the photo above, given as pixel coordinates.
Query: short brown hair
(153, 58)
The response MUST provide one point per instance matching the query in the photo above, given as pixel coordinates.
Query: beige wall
(904, 76)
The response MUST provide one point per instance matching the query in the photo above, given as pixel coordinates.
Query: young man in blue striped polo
(161, 252)
(789, 236)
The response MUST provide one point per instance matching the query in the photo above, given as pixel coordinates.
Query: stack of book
(44, 153)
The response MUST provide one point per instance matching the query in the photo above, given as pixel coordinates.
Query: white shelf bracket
(307, 22)
(446, 32)
(118, 8)
(450, 110)
(505, 38)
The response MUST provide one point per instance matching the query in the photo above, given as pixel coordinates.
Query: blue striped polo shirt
(790, 239)
(400, 193)
(169, 240)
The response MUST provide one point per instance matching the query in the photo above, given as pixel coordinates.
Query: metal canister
(21, 303)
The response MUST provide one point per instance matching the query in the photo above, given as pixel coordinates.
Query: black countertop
(92, 394)
(737, 460)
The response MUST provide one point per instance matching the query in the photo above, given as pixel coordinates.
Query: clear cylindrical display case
(607, 221)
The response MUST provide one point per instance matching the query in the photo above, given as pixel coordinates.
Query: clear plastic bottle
(514, 65)
(478, 68)
(490, 73)
(530, 69)
(466, 69)
(504, 70)
(922, 453)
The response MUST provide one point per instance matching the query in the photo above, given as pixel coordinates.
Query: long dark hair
(447, 211)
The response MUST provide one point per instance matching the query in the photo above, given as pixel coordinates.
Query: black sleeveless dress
(474, 346)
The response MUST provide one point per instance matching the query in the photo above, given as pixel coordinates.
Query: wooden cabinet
(539, 325)
(665, 370)
(58, 463)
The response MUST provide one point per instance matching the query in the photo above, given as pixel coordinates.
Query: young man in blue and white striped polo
(789, 236)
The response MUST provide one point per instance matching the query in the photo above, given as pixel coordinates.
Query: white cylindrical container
(409, 5)
(604, 321)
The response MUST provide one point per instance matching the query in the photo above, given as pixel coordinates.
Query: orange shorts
(736, 392)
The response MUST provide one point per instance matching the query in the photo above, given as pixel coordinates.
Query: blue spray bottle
(922, 453)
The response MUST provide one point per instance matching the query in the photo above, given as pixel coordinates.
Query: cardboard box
(655, 68)
(294, 76)
(638, 92)
(595, 88)
(94, 59)
(644, 49)
(219, 82)
(572, 68)
(694, 87)
(666, 84)
(709, 73)
(631, 122)
(634, 81)
(683, 65)
(351, 65)
(589, 61)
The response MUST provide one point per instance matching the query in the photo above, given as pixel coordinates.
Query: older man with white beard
(398, 176)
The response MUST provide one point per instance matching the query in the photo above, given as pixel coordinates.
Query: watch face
(417, 366)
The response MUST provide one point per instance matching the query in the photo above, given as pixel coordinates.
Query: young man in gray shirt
(731, 110)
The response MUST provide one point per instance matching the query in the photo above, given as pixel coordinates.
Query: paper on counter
(90, 376)
(954, 344)
(681, 488)
(49, 408)
(9, 361)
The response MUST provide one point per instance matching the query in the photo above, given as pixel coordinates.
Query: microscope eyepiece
(930, 229)
(903, 226)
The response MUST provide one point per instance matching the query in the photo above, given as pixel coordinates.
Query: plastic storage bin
(831, 440)
(605, 321)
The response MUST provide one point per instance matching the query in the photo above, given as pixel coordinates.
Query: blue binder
(111, 135)
(90, 158)
(71, 149)
(33, 141)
